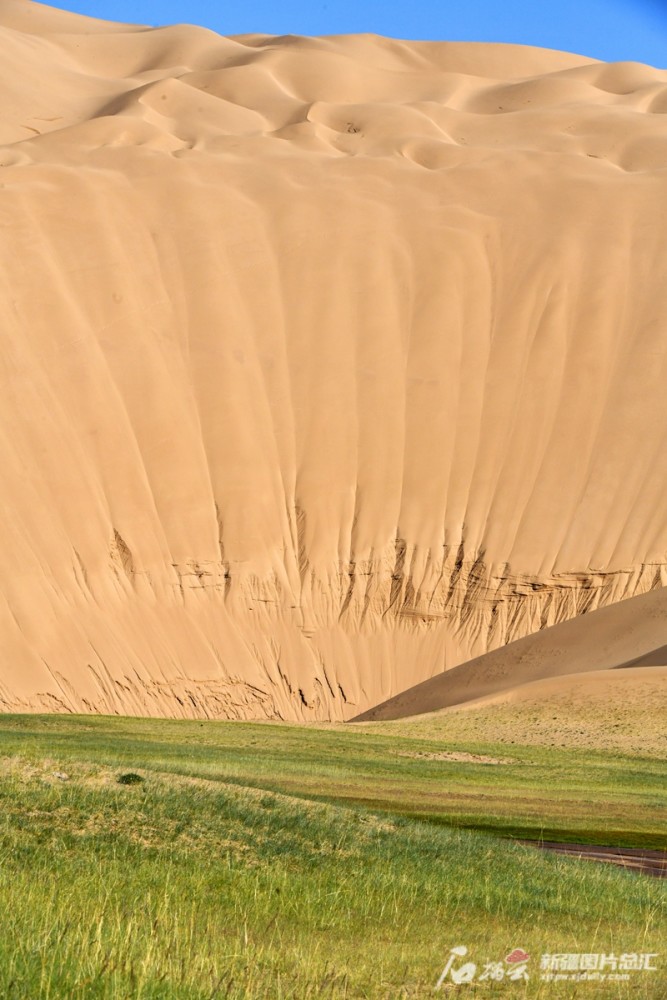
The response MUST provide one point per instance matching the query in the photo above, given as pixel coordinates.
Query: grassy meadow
(279, 861)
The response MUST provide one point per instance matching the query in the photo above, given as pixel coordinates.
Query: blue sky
(606, 29)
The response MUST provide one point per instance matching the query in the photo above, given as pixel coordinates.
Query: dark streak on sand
(634, 859)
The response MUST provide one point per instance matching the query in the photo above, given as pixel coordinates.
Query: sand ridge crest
(321, 92)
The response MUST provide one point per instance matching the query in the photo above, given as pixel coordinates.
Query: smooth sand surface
(326, 364)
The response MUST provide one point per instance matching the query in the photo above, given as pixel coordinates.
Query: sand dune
(327, 364)
(616, 654)
(595, 689)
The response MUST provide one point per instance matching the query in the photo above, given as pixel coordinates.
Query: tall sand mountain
(326, 364)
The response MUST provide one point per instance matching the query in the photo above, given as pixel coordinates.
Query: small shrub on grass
(130, 779)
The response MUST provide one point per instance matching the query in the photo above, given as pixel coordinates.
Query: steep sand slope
(616, 653)
(326, 364)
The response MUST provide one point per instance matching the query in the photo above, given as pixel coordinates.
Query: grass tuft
(130, 779)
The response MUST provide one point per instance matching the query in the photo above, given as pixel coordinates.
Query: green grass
(571, 794)
(224, 874)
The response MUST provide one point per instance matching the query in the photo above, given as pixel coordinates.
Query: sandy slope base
(326, 364)
(616, 656)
